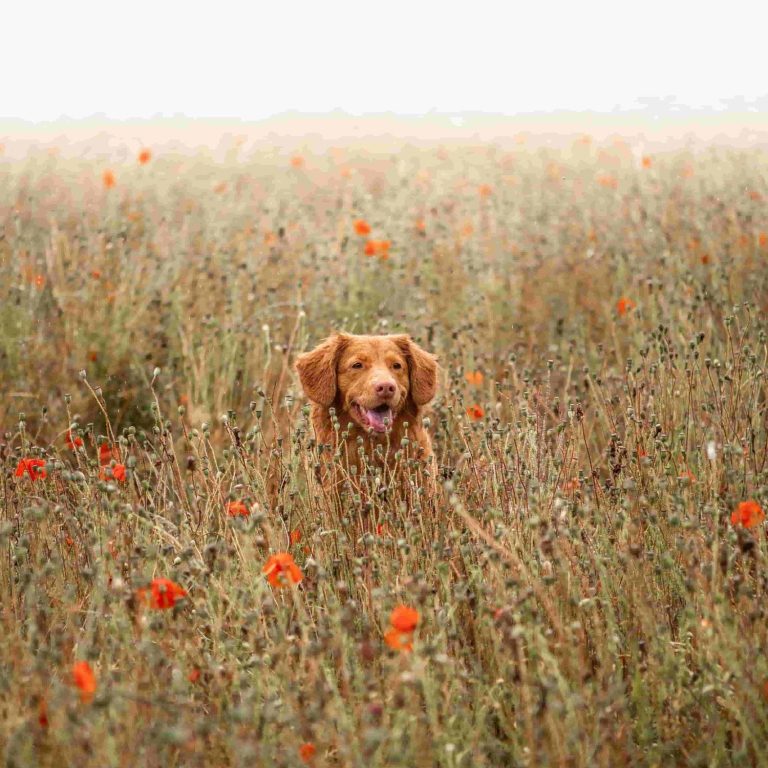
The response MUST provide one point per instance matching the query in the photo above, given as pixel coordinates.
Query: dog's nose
(385, 388)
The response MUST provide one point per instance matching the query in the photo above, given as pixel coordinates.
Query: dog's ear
(422, 368)
(317, 370)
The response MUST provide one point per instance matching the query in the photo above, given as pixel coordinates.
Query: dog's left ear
(422, 367)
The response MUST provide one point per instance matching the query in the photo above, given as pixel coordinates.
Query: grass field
(590, 583)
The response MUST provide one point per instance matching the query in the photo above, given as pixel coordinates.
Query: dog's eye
(357, 365)
(397, 366)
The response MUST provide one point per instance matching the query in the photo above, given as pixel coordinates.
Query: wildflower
(474, 377)
(33, 467)
(73, 441)
(399, 641)
(378, 248)
(106, 454)
(194, 675)
(297, 161)
(307, 751)
(647, 161)
(109, 180)
(84, 679)
(281, 570)
(748, 513)
(762, 239)
(485, 190)
(404, 619)
(362, 227)
(237, 509)
(295, 536)
(118, 472)
(144, 156)
(475, 412)
(163, 593)
(624, 305)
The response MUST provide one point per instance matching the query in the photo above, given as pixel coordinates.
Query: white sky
(250, 60)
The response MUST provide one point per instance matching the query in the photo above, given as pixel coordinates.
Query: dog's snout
(385, 388)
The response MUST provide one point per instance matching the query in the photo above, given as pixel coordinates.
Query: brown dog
(378, 384)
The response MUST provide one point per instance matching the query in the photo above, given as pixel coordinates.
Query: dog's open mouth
(379, 419)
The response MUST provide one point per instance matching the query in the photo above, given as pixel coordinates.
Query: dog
(379, 387)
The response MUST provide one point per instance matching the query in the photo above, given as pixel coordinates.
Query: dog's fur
(376, 384)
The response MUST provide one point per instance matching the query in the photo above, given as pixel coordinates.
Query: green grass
(583, 596)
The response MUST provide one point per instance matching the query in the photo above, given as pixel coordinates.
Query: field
(589, 584)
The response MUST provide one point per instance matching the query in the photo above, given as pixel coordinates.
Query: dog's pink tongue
(380, 421)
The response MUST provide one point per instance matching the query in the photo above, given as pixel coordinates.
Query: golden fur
(376, 384)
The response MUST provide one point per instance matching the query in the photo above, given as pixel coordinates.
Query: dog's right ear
(317, 370)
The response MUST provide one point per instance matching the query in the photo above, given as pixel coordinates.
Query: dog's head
(372, 378)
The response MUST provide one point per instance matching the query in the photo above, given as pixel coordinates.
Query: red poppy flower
(378, 248)
(163, 593)
(106, 454)
(281, 570)
(194, 675)
(297, 161)
(647, 161)
(237, 509)
(109, 180)
(144, 156)
(624, 305)
(762, 239)
(307, 751)
(33, 467)
(362, 227)
(399, 641)
(42, 713)
(475, 412)
(404, 619)
(295, 536)
(485, 190)
(748, 513)
(73, 441)
(84, 679)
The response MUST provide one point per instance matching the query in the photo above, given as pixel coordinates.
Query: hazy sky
(251, 60)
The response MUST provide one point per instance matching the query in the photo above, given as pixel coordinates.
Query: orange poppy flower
(281, 570)
(295, 536)
(106, 454)
(33, 467)
(362, 227)
(237, 509)
(399, 641)
(485, 190)
(84, 679)
(117, 472)
(647, 161)
(297, 161)
(144, 156)
(73, 441)
(755, 195)
(748, 514)
(109, 180)
(378, 248)
(475, 412)
(163, 593)
(404, 619)
(307, 751)
(762, 238)
(474, 377)
(624, 305)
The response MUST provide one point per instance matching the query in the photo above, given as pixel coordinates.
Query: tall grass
(583, 596)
